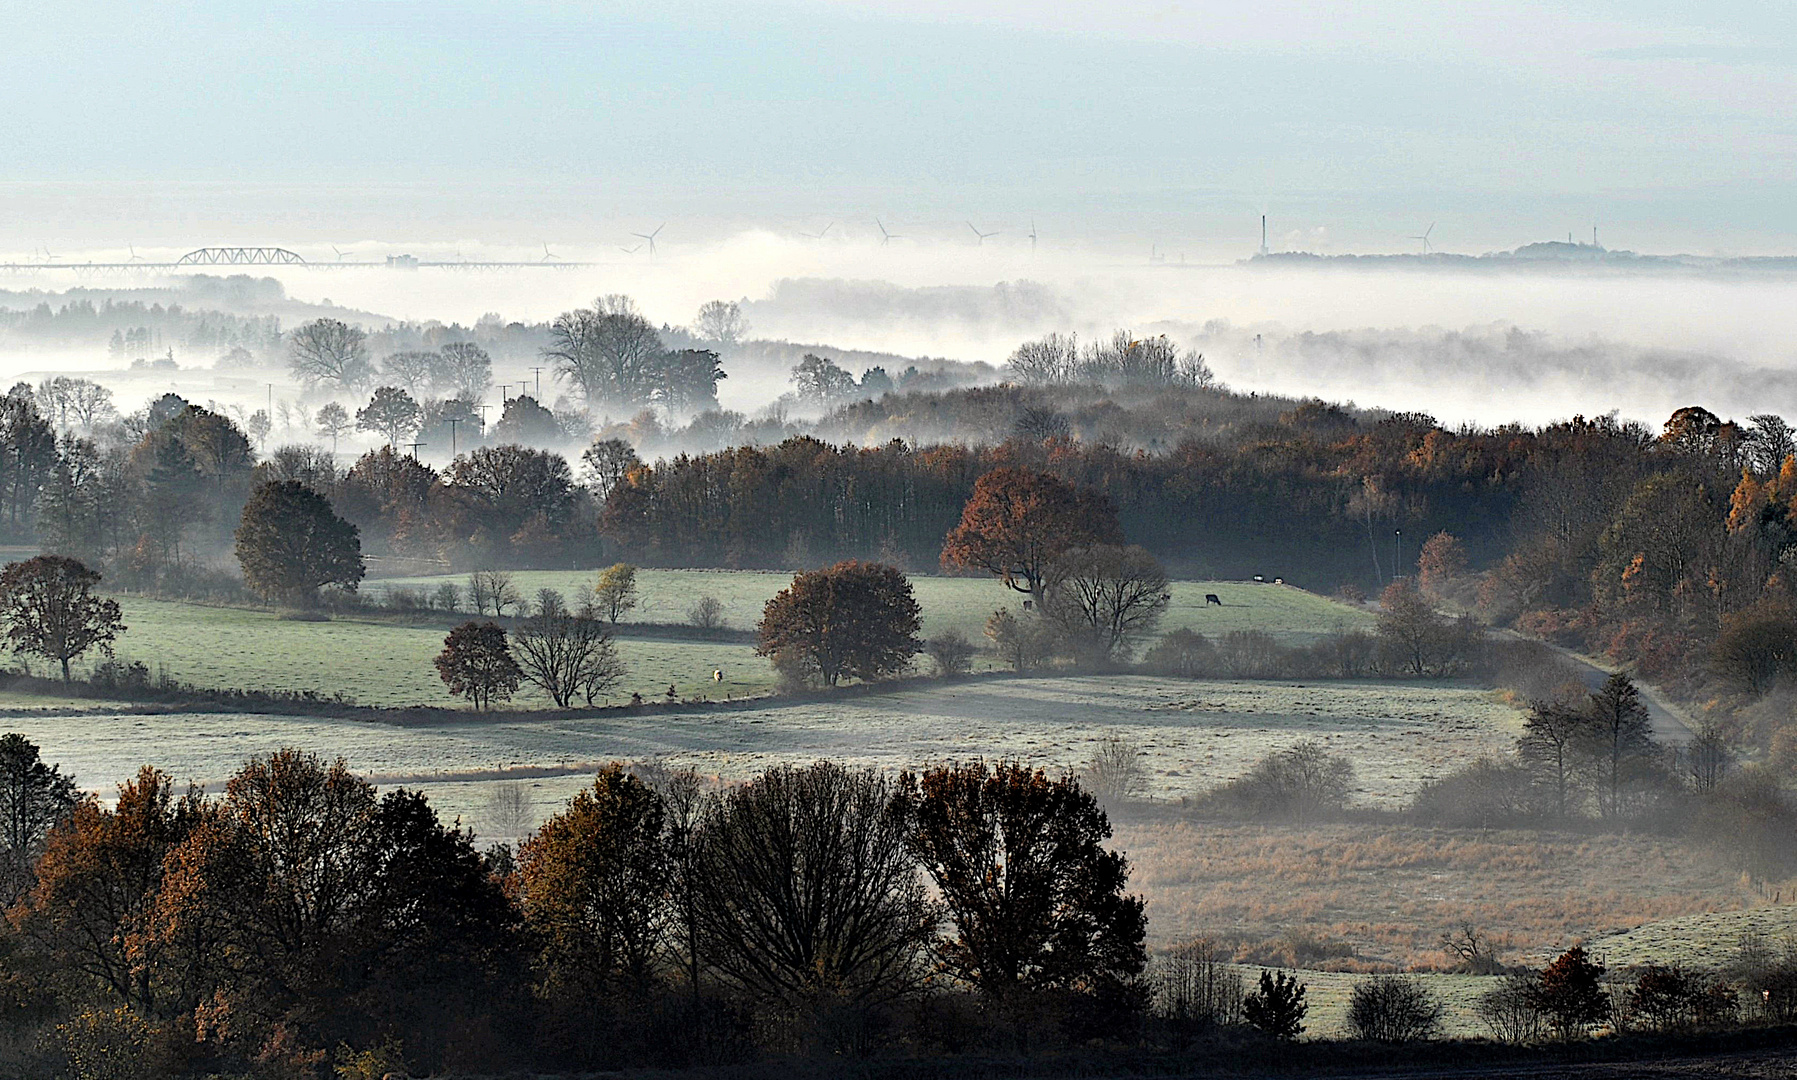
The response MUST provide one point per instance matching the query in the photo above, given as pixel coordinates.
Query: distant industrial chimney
(1263, 234)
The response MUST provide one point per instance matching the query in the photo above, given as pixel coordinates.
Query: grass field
(1287, 894)
(964, 603)
(1707, 940)
(383, 663)
(378, 661)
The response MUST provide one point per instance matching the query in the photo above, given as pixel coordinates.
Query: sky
(1352, 125)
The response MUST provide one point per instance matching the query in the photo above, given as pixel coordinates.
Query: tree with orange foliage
(98, 880)
(1442, 560)
(1018, 521)
(852, 620)
(595, 880)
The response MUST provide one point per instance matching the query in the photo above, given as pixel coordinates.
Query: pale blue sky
(1672, 123)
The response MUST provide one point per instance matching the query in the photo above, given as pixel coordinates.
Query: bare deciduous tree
(492, 591)
(330, 351)
(721, 321)
(566, 655)
(807, 894)
(1105, 595)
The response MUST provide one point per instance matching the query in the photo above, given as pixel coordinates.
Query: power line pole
(539, 372)
(453, 421)
(415, 447)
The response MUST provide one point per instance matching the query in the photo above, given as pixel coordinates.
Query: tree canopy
(291, 543)
(852, 620)
(51, 611)
(1018, 521)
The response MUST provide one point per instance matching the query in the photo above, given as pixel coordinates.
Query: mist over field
(1527, 345)
(876, 539)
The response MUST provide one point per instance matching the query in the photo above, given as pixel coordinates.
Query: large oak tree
(852, 620)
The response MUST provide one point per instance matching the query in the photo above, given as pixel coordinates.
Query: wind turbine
(549, 256)
(1425, 237)
(1032, 235)
(135, 257)
(650, 236)
(886, 237)
(340, 253)
(982, 235)
(818, 235)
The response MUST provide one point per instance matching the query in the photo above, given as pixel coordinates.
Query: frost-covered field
(1194, 735)
(962, 603)
(383, 663)
(1708, 941)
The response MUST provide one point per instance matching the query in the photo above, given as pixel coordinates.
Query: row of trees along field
(1668, 549)
(302, 921)
(302, 917)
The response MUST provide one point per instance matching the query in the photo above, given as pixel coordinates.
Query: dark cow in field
(1212, 598)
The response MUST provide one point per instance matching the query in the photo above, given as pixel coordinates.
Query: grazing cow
(1212, 598)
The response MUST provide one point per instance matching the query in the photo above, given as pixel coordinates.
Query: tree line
(301, 919)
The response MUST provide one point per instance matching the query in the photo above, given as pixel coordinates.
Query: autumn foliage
(1018, 521)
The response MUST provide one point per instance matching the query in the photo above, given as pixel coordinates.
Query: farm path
(1670, 723)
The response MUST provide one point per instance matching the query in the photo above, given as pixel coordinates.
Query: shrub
(1393, 1009)
(1755, 650)
(1025, 644)
(1488, 793)
(1250, 654)
(952, 654)
(1512, 1012)
(1302, 782)
(1769, 977)
(707, 613)
(1182, 653)
(1115, 775)
(1669, 998)
(1277, 1008)
(1571, 994)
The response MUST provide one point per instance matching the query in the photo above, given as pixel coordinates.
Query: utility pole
(539, 372)
(503, 387)
(415, 447)
(1397, 537)
(453, 421)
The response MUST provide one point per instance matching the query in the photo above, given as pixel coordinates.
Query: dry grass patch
(1307, 895)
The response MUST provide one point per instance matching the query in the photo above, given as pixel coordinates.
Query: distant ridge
(1546, 255)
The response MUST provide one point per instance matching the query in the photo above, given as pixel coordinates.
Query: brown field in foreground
(1353, 897)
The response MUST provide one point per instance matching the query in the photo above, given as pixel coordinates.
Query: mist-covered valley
(1481, 349)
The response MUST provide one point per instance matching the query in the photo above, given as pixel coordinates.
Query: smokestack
(1263, 234)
